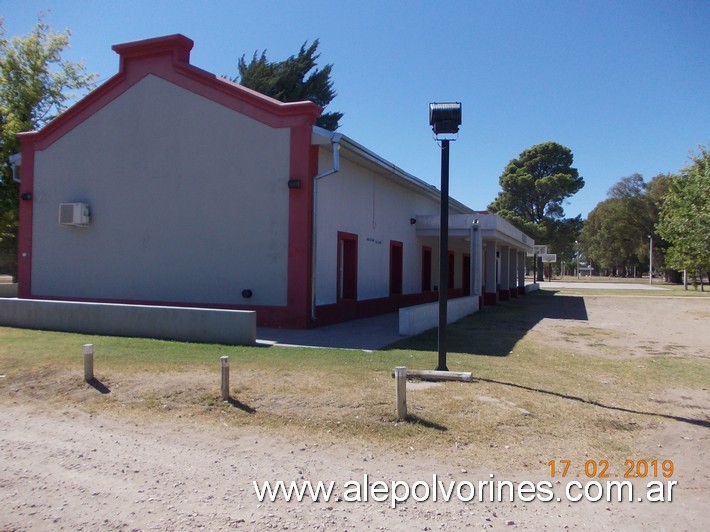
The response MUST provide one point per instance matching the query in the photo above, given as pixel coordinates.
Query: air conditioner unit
(74, 214)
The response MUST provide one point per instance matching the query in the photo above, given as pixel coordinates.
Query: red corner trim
(24, 240)
(304, 165)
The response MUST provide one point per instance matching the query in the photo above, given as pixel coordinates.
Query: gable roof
(168, 57)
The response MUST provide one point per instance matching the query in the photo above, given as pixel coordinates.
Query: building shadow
(496, 330)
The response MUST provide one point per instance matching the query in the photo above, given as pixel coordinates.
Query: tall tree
(685, 217)
(293, 80)
(610, 239)
(35, 86)
(534, 187)
(615, 234)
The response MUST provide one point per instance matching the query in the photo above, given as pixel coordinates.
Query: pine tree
(293, 80)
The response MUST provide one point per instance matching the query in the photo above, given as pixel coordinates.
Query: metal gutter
(321, 136)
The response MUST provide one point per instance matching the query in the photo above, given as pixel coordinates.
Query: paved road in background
(599, 285)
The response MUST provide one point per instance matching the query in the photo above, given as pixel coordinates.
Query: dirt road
(65, 469)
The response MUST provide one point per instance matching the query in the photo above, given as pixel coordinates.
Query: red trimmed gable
(168, 58)
(177, 45)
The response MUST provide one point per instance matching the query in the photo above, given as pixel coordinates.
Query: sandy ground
(635, 325)
(69, 470)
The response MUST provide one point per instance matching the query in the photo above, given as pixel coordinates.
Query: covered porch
(497, 250)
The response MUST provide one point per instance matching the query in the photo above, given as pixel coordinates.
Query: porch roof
(492, 227)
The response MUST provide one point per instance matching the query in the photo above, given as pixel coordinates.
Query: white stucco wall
(358, 200)
(188, 199)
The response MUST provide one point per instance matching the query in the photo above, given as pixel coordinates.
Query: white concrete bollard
(88, 362)
(225, 378)
(400, 379)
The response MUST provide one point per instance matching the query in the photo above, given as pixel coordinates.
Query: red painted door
(396, 266)
(347, 266)
(426, 269)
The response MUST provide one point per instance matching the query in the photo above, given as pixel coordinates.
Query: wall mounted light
(246, 294)
(294, 183)
(27, 196)
(412, 221)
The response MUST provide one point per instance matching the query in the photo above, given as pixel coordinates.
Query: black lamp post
(445, 119)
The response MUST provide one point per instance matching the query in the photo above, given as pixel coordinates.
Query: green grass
(530, 403)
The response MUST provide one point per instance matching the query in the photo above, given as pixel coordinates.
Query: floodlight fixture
(445, 118)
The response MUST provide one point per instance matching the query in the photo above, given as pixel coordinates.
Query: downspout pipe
(335, 143)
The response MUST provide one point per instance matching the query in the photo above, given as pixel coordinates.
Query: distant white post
(650, 259)
(225, 378)
(400, 379)
(88, 362)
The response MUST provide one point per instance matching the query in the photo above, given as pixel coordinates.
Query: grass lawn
(530, 402)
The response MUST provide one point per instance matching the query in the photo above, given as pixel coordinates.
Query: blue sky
(624, 84)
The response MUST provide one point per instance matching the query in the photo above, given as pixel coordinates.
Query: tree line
(663, 223)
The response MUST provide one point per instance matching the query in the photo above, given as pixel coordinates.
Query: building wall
(188, 200)
(360, 201)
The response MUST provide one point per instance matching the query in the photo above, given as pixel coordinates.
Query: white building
(177, 187)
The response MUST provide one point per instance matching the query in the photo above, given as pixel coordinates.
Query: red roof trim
(178, 45)
(168, 58)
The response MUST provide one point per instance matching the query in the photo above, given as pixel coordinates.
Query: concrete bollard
(88, 362)
(225, 378)
(400, 379)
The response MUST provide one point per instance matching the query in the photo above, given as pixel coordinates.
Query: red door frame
(347, 266)
(452, 270)
(426, 268)
(396, 267)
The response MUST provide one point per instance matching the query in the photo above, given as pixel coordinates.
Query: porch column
(476, 261)
(513, 273)
(490, 296)
(504, 273)
(521, 273)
